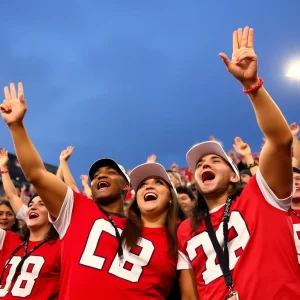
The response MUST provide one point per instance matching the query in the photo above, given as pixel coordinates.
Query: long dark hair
(133, 230)
(200, 207)
(15, 226)
(52, 233)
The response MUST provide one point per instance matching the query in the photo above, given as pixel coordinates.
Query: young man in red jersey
(94, 265)
(295, 210)
(240, 242)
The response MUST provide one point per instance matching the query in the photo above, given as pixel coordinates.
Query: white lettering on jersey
(130, 268)
(235, 246)
(296, 238)
(25, 281)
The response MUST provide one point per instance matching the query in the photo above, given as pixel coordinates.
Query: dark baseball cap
(107, 162)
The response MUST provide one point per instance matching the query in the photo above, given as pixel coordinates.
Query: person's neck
(115, 207)
(154, 221)
(213, 201)
(295, 203)
(39, 233)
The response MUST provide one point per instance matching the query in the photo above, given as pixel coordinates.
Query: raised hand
(243, 64)
(65, 154)
(13, 108)
(241, 148)
(3, 158)
(151, 158)
(294, 129)
(84, 179)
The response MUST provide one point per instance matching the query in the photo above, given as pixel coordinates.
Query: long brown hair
(200, 207)
(134, 226)
(52, 233)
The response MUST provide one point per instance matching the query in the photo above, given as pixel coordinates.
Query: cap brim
(107, 162)
(147, 170)
(211, 147)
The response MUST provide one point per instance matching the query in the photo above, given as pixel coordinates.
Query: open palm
(13, 108)
(243, 65)
(3, 158)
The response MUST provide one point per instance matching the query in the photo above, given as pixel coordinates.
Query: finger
(240, 34)
(22, 100)
(235, 147)
(235, 43)
(225, 59)
(20, 89)
(238, 140)
(251, 38)
(7, 93)
(245, 37)
(13, 90)
(5, 107)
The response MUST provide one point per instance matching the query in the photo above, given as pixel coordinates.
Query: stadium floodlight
(294, 71)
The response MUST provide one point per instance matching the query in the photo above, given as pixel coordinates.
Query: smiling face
(214, 175)
(108, 185)
(297, 184)
(37, 214)
(153, 196)
(7, 217)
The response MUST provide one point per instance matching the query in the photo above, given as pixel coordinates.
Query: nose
(101, 176)
(205, 166)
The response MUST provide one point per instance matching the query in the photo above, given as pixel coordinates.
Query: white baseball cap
(143, 171)
(211, 147)
(107, 162)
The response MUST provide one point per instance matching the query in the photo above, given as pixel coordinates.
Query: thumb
(225, 59)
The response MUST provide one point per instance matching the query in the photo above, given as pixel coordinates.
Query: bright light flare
(294, 71)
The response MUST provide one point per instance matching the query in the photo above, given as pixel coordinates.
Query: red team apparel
(296, 227)
(91, 267)
(261, 248)
(40, 275)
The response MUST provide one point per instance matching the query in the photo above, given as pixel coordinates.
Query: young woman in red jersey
(29, 262)
(153, 217)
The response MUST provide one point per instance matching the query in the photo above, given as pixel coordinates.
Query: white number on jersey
(235, 246)
(297, 239)
(130, 268)
(26, 280)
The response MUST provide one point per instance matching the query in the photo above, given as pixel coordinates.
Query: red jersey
(40, 274)
(296, 227)
(262, 254)
(91, 268)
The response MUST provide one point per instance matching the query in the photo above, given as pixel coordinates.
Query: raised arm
(63, 165)
(49, 187)
(9, 188)
(275, 162)
(296, 145)
(85, 186)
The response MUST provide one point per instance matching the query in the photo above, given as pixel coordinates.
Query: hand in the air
(294, 129)
(243, 64)
(13, 107)
(241, 148)
(3, 158)
(65, 154)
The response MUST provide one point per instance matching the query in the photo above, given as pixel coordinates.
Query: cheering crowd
(229, 229)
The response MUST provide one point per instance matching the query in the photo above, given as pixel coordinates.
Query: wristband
(254, 88)
(4, 172)
(252, 165)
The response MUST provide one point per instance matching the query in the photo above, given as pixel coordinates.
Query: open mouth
(102, 185)
(150, 197)
(208, 176)
(33, 215)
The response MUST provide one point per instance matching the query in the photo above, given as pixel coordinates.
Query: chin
(297, 195)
